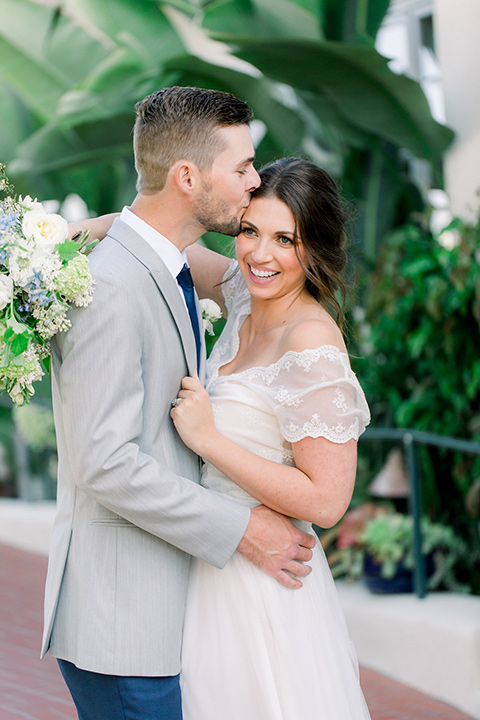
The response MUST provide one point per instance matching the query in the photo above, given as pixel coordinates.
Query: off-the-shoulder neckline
(260, 369)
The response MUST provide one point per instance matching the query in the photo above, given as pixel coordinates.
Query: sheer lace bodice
(313, 393)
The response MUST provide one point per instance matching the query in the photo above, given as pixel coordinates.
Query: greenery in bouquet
(42, 273)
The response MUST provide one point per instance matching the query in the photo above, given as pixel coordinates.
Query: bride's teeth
(262, 273)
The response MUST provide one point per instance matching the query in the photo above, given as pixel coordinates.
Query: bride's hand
(193, 416)
(74, 229)
(98, 227)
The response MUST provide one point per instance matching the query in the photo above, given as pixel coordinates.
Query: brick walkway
(33, 689)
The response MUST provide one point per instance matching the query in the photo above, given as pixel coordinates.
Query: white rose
(6, 287)
(47, 229)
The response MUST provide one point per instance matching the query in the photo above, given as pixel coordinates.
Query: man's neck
(169, 218)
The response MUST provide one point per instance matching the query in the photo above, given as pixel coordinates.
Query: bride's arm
(208, 267)
(318, 489)
(208, 270)
(98, 227)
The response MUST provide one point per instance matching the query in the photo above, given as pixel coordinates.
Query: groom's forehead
(237, 145)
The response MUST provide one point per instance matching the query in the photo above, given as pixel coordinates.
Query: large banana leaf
(358, 85)
(93, 160)
(144, 39)
(17, 123)
(43, 54)
(262, 18)
(114, 87)
(353, 20)
(143, 24)
(53, 150)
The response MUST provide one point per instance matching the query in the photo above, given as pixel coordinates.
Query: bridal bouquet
(42, 273)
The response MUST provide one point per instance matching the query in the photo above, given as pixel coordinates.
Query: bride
(278, 424)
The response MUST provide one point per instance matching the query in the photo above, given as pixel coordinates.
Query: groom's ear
(185, 175)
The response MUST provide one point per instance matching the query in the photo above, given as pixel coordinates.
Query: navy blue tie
(184, 279)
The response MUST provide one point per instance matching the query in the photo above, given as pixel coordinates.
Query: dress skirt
(255, 650)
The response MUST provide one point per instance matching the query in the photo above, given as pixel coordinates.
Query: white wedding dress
(253, 649)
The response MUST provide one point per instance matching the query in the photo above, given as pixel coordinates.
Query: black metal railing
(411, 439)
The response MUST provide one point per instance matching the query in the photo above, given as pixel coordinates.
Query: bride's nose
(261, 252)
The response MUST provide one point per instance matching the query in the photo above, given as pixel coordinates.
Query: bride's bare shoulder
(312, 332)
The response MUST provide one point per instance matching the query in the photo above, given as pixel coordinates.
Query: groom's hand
(276, 546)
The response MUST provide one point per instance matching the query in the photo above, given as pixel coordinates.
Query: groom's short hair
(181, 123)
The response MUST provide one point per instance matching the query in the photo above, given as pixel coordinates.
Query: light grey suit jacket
(130, 510)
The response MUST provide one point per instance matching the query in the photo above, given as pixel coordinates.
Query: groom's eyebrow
(248, 161)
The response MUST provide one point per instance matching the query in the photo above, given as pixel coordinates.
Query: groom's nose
(253, 179)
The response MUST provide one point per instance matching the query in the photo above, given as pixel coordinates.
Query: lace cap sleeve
(315, 394)
(233, 287)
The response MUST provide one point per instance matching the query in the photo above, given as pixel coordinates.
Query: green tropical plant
(421, 366)
(310, 73)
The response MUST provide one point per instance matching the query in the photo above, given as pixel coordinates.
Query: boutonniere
(210, 313)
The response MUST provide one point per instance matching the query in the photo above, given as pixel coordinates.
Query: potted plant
(375, 542)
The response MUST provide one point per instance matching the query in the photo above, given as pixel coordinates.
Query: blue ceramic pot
(401, 582)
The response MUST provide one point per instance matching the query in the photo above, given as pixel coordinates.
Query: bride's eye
(285, 241)
(248, 230)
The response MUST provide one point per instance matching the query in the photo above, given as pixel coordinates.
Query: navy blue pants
(113, 697)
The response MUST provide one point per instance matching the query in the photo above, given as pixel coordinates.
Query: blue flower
(35, 291)
(35, 281)
(8, 221)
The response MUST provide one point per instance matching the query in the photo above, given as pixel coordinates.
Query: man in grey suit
(130, 510)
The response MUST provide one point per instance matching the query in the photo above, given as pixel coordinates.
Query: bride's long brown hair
(320, 217)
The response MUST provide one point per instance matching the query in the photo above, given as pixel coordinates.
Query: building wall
(457, 34)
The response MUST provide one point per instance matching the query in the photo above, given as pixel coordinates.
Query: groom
(130, 510)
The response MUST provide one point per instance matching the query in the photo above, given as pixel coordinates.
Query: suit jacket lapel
(167, 285)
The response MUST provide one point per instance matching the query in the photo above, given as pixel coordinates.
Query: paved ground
(32, 689)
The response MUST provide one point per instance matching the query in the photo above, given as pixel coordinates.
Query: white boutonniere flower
(210, 313)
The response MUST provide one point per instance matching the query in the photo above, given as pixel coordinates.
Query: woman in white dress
(278, 424)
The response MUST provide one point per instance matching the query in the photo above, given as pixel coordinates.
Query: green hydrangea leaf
(67, 250)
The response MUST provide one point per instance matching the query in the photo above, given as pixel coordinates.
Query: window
(407, 36)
